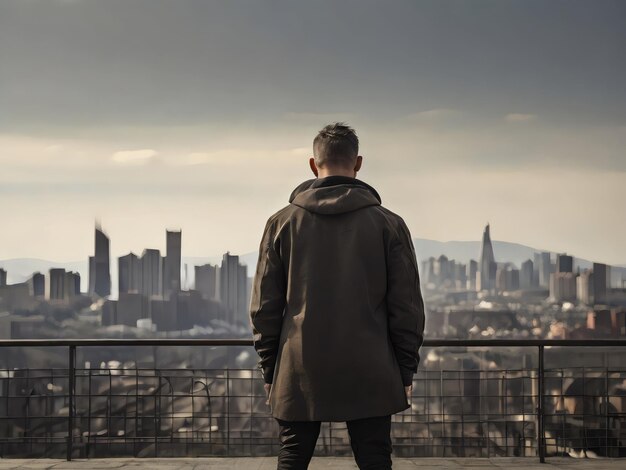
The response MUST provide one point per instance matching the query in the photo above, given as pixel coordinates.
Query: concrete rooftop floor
(318, 463)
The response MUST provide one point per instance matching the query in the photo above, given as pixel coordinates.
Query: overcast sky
(200, 115)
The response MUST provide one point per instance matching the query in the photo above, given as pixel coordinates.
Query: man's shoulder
(393, 219)
(284, 214)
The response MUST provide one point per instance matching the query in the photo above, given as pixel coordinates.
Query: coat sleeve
(405, 305)
(267, 302)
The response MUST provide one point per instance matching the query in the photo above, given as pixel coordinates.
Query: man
(336, 310)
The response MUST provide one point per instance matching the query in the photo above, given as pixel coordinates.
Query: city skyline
(128, 268)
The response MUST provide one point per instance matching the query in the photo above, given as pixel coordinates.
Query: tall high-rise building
(207, 281)
(564, 263)
(600, 282)
(71, 285)
(234, 293)
(3, 277)
(151, 273)
(37, 285)
(487, 263)
(171, 267)
(99, 270)
(542, 269)
(472, 269)
(526, 275)
(56, 284)
(563, 286)
(584, 287)
(441, 269)
(129, 274)
(428, 272)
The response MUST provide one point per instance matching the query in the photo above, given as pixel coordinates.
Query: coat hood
(334, 195)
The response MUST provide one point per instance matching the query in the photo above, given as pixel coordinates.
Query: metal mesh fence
(217, 412)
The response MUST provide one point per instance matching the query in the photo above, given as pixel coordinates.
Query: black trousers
(370, 439)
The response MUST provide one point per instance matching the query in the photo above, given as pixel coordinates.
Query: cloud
(133, 157)
(519, 117)
(434, 115)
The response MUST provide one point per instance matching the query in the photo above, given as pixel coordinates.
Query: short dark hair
(335, 145)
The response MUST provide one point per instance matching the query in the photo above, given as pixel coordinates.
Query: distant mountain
(20, 269)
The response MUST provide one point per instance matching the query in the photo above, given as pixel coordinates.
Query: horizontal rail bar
(248, 342)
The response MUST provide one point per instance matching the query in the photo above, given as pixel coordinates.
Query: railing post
(70, 412)
(541, 436)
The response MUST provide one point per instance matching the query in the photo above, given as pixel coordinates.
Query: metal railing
(468, 411)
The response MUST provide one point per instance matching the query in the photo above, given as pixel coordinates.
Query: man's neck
(323, 173)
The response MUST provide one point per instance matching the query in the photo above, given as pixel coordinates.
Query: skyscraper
(151, 273)
(487, 263)
(563, 286)
(472, 269)
(234, 293)
(206, 281)
(526, 274)
(542, 268)
(600, 282)
(171, 268)
(564, 263)
(37, 285)
(99, 272)
(56, 284)
(129, 273)
(584, 287)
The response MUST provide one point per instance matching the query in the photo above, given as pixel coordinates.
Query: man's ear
(313, 165)
(359, 161)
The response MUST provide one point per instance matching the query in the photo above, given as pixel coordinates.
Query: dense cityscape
(547, 297)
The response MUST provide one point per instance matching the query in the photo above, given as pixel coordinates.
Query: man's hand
(267, 387)
(408, 389)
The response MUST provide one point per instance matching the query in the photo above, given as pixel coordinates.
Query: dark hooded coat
(336, 311)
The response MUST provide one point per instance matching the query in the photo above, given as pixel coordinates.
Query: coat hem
(342, 418)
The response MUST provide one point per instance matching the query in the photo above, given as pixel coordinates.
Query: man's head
(336, 151)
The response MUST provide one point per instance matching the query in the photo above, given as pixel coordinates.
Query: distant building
(56, 284)
(207, 281)
(542, 269)
(16, 296)
(526, 278)
(472, 269)
(512, 278)
(609, 322)
(129, 274)
(234, 293)
(564, 263)
(37, 285)
(62, 284)
(600, 283)
(428, 278)
(563, 286)
(440, 269)
(99, 270)
(507, 278)
(584, 287)
(130, 308)
(71, 285)
(151, 273)
(172, 263)
(3, 277)
(487, 264)
(459, 276)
